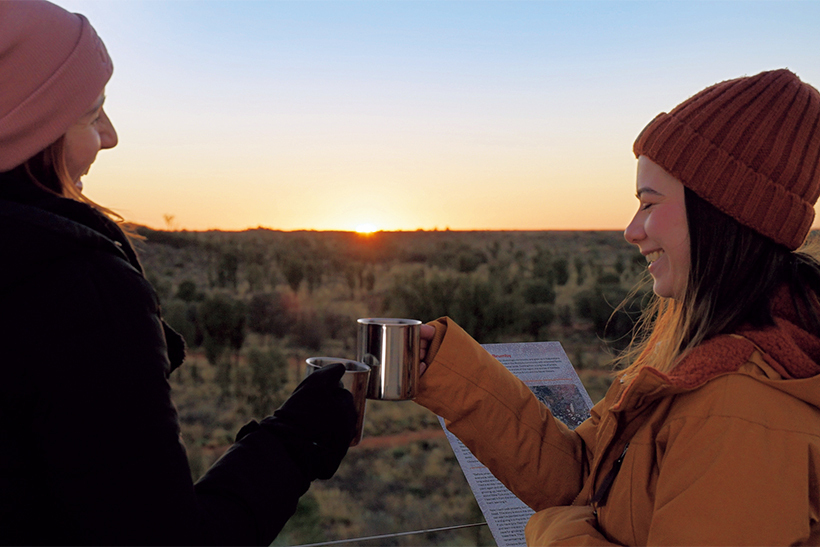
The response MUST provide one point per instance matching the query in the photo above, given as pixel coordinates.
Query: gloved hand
(317, 422)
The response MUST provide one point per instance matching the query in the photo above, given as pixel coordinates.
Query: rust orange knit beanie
(53, 66)
(750, 147)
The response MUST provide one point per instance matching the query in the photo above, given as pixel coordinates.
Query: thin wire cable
(397, 534)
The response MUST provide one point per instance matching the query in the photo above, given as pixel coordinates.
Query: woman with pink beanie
(711, 433)
(89, 438)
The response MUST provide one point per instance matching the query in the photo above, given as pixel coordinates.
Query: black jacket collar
(38, 227)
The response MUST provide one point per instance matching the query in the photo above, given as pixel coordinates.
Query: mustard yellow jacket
(724, 452)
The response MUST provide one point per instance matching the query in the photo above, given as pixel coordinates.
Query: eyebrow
(642, 191)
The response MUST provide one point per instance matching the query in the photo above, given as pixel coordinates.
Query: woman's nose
(634, 231)
(108, 135)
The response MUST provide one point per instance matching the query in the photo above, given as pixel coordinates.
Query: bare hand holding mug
(426, 334)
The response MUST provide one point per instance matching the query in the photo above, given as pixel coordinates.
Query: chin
(662, 291)
(666, 293)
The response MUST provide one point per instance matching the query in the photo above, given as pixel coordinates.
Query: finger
(427, 332)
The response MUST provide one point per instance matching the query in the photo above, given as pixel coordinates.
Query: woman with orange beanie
(89, 437)
(711, 434)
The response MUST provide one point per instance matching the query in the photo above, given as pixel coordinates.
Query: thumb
(328, 375)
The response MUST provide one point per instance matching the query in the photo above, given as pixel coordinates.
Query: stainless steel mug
(355, 380)
(390, 347)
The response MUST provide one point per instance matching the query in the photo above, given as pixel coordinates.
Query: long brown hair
(733, 275)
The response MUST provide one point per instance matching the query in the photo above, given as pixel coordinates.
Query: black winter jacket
(89, 438)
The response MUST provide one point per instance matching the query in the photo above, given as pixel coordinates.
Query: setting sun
(365, 228)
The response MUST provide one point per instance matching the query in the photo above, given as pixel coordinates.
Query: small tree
(369, 280)
(538, 291)
(187, 291)
(272, 313)
(294, 272)
(580, 271)
(314, 271)
(468, 260)
(175, 313)
(560, 268)
(536, 317)
(542, 265)
(309, 330)
(226, 270)
(268, 376)
(223, 323)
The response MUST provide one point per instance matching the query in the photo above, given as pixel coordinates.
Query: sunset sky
(403, 115)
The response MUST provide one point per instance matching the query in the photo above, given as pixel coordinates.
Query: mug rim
(351, 365)
(388, 321)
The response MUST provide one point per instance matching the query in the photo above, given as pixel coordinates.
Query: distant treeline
(217, 286)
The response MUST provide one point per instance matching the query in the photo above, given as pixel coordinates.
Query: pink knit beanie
(750, 147)
(52, 68)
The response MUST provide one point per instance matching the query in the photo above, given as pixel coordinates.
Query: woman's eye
(645, 206)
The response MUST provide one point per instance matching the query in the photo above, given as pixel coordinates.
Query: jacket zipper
(599, 498)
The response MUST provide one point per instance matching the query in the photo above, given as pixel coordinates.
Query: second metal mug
(390, 347)
(354, 380)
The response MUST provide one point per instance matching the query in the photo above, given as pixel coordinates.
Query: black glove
(317, 422)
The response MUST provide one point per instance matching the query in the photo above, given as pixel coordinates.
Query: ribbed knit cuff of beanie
(53, 67)
(750, 147)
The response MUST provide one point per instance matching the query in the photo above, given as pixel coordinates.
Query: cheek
(668, 226)
(80, 153)
(678, 243)
(679, 233)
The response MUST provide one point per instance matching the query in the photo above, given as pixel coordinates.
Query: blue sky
(405, 115)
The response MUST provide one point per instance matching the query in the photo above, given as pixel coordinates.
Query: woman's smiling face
(92, 133)
(660, 230)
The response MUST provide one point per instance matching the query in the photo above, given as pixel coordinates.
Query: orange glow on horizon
(365, 229)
